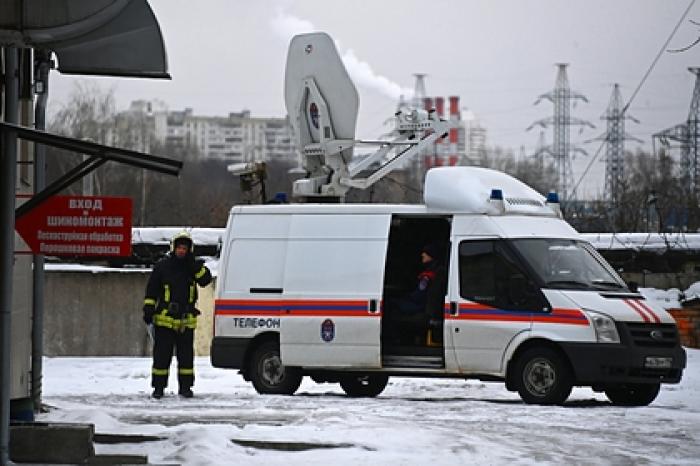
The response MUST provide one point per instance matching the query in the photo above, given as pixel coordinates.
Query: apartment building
(235, 138)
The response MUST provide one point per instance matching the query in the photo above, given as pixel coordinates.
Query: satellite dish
(322, 102)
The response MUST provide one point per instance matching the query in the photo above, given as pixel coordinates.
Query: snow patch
(415, 421)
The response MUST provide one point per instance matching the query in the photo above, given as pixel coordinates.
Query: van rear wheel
(269, 375)
(364, 385)
(633, 394)
(543, 377)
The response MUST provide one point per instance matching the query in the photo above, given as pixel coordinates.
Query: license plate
(654, 362)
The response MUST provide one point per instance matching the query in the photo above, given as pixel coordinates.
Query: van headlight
(605, 329)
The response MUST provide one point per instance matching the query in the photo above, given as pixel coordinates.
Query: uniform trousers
(164, 341)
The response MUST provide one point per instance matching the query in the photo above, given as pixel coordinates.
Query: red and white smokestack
(454, 107)
(454, 134)
(428, 152)
(453, 144)
(440, 106)
(439, 144)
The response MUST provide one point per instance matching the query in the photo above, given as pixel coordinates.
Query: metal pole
(142, 216)
(43, 65)
(8, 176)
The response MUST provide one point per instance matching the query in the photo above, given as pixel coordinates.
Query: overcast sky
(497, 55)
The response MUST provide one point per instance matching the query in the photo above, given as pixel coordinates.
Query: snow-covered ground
(415, 421)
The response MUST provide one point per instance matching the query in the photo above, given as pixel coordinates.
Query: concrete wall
(100, 314)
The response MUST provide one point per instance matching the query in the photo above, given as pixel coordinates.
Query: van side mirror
(633, 286)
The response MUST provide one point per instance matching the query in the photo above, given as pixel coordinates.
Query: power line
(636, 91)
(658, 55)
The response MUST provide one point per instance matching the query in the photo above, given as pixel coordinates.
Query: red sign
(78, 226)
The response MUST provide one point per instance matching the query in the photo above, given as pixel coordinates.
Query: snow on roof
(162, 235)
(62, 267)
(644, 241)
(211, 262)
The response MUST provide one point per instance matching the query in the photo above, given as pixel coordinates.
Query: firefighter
(169, 306)
(411, 315)
(415, 303)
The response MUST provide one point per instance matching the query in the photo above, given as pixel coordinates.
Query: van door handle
(454, 309)
(372, 307)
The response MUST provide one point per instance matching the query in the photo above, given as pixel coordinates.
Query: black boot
(157, 393)
(186, 392)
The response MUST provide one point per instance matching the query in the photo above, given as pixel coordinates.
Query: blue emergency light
(496, 195)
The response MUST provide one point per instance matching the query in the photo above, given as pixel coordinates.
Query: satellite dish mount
(322, 103)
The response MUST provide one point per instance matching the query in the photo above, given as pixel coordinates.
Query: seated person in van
(418, 305)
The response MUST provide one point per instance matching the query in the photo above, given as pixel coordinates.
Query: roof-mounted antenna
(322, 104)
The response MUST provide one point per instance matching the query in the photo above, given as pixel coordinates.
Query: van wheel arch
(511, 375)
(255, 343)
(267, 373)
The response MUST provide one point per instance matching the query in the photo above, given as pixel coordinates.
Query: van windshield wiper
(567, 283)
(608, 284)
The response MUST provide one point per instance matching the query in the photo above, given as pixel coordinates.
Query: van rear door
(333, 278)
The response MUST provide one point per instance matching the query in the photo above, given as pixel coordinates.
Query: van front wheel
(633, 394)
(543, 377)
(364, 385)
(269, 376)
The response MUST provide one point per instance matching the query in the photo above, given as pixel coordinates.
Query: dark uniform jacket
(172, 290)
(430, 290)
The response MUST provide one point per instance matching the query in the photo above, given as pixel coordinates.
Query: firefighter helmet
(182, 237)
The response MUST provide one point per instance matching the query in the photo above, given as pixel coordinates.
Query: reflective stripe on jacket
(163, 319)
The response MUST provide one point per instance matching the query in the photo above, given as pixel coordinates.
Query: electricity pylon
(686, 134)
(615, 138)
(561, 149)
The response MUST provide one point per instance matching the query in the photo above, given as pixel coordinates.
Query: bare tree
(651, 199)
(86, 115)
(540, 176)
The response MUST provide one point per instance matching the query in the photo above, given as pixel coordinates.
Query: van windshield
(568, 264)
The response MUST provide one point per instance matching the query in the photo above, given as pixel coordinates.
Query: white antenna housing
(477, 190)
(322, 104)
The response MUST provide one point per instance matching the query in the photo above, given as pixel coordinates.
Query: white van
(304, 290)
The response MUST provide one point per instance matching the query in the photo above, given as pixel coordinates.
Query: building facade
(236, 138)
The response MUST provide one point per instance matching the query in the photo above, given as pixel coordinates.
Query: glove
(197, 266)
(148, 311)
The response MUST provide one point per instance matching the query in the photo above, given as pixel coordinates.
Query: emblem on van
(327, 330)
(656, 335)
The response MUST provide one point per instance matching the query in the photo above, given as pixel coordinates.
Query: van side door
(491, 301)
(333, 280)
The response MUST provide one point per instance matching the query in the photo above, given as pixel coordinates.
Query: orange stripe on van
(301, 307)
(482, 312)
